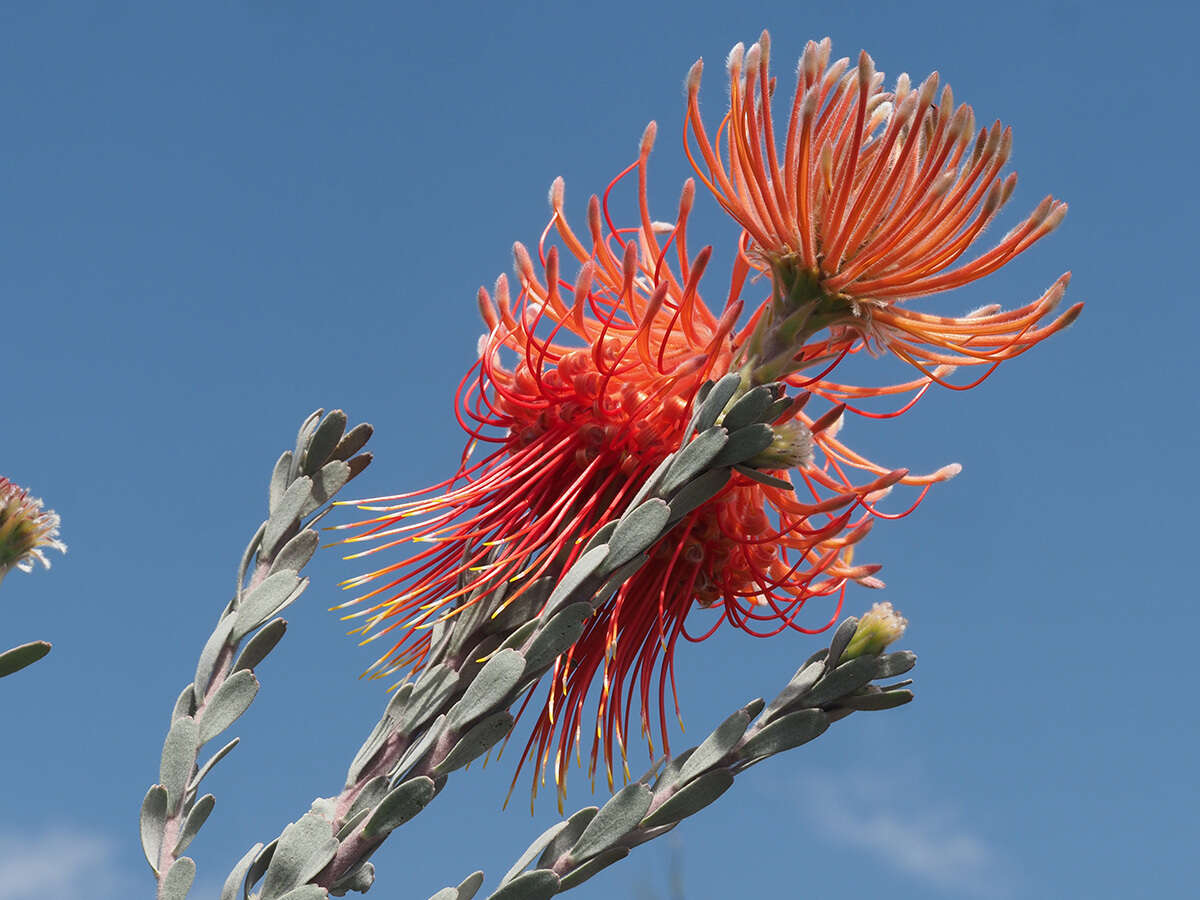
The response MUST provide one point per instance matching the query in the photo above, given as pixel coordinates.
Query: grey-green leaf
(469, 885)
(556, 636)
(296, 553)
(801, 684)
(637, 530)
(285, 514)
(306, 892)
(565, 838)
(428, 737)
(263, 602)
(539, 884)
(17, 658)
(745, 443)
(750, 407)
(533, 850)
(304, 849)
(694, 458)
(845, 679)
(232, 889)
(428, 695)
(230, 700)
(691, 798)
(787, 732)
(178, 880)
(321, 446)
(178, 758)
(327, 482)
(580, 874)
(491, 687)
(698, 492)
(714, 404)
(617, 817)
(399, 806)
(153, 820)
(212, 761)
(208, 656)
(195, 820)
(279, 481)
(892, 664)
(185, 703)
(355, 439)
(841, 640)
(874, 702)
(716, 745)
(480, 738)
(573, 580)
(261, 644)
(764, 478)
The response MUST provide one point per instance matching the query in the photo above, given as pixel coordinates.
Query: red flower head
(869, 199)
(583, 387)
(586, 382)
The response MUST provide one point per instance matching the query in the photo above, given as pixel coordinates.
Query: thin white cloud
(63, 863)
(917, 834)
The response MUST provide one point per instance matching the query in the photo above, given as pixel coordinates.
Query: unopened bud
(876, 630)
(26, 530)
(791, 448)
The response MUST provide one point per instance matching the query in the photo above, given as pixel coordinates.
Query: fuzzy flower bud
(26, 530)
(876, 630)
(792, 448)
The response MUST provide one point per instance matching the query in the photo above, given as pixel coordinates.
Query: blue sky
(217, 220)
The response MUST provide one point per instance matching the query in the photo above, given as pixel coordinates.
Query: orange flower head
(583, 387)
(869, 198)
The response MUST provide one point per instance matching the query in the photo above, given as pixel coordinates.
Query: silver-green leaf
(285, 514)
(297, 552)
(212, 761)
(232, 889)
(616, 818)
(539, 884)
(491, 687)
(261, 644)
(304, 849)
(693, 459)
(567, 836)
(785, 733)
(321, 446)
(196, 818)
(229, 701)
(399, 806)
(557, 635)
(178, 880)
(691, 798)
(153, 820)
(533, 850)
(264, 602)
(17, 658)
(636, 532)
(580, 874)
(178, 759)
(480, 738)
(716, 745)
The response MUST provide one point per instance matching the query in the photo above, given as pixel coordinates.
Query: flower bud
(876, 630)
(26, 530)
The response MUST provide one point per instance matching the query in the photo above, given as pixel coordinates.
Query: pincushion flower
(27, 530)
(583, 387)
(868, 199)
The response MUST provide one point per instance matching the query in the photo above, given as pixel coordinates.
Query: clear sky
(215, 218)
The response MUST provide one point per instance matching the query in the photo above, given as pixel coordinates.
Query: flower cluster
(26, 530)
(586, 381)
